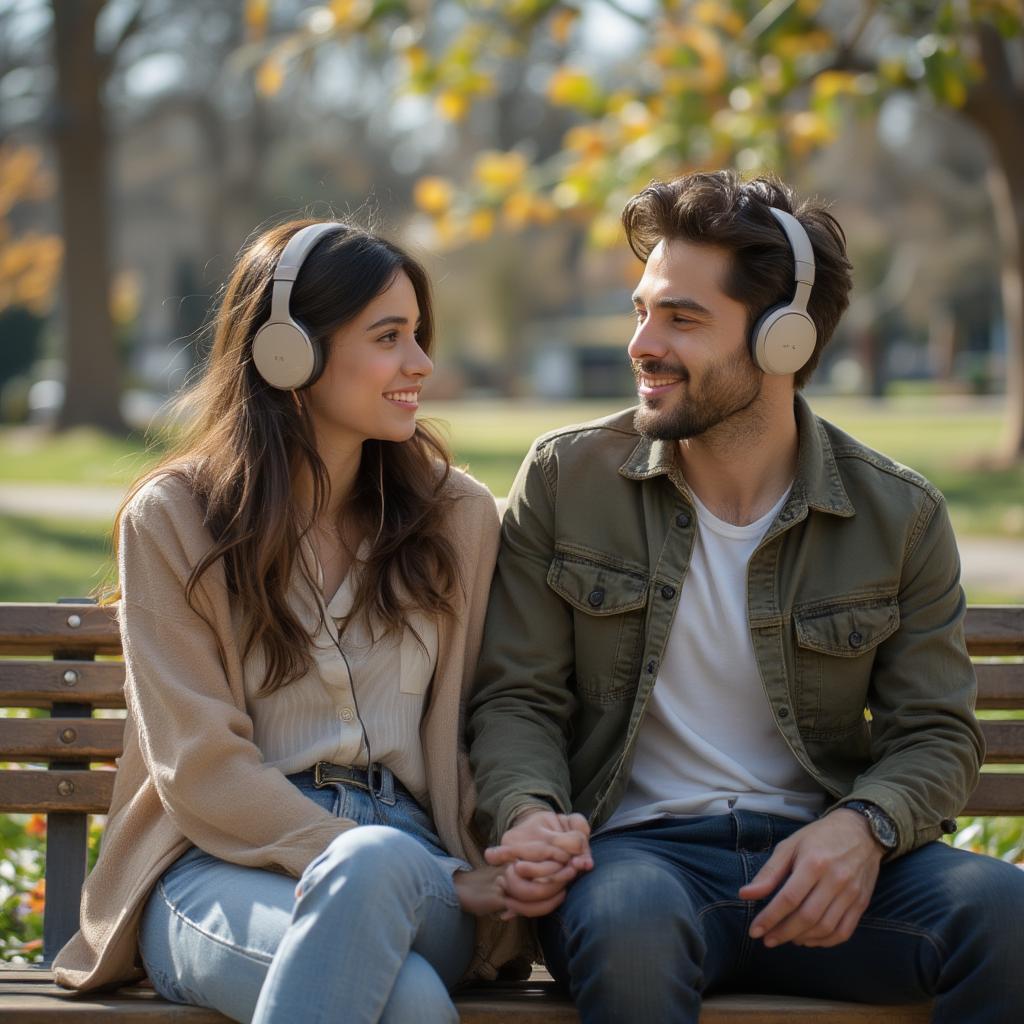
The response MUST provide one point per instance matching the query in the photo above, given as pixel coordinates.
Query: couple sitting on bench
(716, 695)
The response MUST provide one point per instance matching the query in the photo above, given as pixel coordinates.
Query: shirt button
(855, 639)
(783, 712)
(347, 715)
(683, 519)
(596, 598)
(668, 593)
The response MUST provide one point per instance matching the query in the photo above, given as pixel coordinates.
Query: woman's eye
(390, 338)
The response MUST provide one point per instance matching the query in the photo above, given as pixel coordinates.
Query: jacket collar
(817, 484)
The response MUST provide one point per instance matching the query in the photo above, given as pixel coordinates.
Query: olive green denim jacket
(855, 611)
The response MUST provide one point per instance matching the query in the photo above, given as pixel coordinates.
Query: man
(724, 706)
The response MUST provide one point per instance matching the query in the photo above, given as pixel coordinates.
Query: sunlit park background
(142, 141)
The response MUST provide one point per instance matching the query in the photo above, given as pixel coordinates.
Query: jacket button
(596, 598)
(668, 593)
(650, 667)
(785, 515)
(683, 519)
(855, 639)
(783, 712)
(948, 826)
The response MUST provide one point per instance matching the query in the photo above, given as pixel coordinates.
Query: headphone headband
(784, 337)
(285, 356)
(803, 255)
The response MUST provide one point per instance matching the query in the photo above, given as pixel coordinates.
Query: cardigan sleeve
(195, 738)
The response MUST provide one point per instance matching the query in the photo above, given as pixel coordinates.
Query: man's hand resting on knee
(542, 852)
(827, 873)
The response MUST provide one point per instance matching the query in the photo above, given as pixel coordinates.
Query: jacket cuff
(512, 806)
(895, 805)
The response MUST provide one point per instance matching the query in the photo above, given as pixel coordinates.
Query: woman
(302, 589)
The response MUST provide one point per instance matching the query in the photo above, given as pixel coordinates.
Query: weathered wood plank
(1000, 686)
(25, 739)
(45, 628)
(995, 629)
(30, 684)
(33, 1002)
(1004, 742)
(997, 793)
(31, 792)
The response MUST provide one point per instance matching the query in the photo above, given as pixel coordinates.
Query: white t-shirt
(708, 742)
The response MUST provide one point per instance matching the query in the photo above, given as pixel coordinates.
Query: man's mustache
(658, 368)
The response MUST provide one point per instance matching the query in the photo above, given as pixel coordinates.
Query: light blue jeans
(371, 932)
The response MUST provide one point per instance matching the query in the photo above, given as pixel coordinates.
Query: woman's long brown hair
(247, 443)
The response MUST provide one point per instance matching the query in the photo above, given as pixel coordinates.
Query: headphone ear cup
(782, 340)
(285, 356)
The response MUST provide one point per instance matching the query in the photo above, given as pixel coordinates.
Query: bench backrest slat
(37, 684)
(995, 629)
(76, 790)
(45, 628)
(60, 739)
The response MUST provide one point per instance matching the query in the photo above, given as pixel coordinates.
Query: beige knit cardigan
(191, 774)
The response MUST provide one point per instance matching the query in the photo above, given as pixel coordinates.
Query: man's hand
(829, 869)
(542, 853)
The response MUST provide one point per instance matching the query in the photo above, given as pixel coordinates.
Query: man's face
(689, 350)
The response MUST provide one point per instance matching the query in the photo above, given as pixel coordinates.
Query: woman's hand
(481, 891)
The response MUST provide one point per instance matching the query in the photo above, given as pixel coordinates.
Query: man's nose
(645, 343)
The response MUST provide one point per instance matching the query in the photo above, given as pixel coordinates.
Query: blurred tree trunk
(92, 366)
(996, 106)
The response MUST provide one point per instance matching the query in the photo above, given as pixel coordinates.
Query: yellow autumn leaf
(830, 84)
(452, 105)
(433, 195)
(801, 43)
(481, 224)
(516, 209)
(708, 12)
(257, 17)
(808, 130)
(571, 87)
(561, 24)
(351, 13)
(270, 76)
(500, 171)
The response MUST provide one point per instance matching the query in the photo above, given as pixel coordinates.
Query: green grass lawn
(947, 439)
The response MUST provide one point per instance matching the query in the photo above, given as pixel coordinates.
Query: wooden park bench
(51, 663)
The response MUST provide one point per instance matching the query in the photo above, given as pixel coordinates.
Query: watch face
(882, 826)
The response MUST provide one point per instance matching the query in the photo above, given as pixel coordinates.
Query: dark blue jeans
(657, 923)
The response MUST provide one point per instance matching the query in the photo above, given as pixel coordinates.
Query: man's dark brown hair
(721, 209)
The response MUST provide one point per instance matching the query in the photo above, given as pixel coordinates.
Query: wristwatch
(883, 828)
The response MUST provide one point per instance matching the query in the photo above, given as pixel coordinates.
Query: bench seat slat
(75, 790)
(45, 628)
(37, 1002)
(30, 684)
(60, 739)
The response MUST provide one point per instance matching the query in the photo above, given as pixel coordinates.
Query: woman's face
(370, 387)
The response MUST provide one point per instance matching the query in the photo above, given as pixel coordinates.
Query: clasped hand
(536, 859)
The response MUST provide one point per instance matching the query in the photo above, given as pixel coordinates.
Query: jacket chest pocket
(608, 618)
(835, 654)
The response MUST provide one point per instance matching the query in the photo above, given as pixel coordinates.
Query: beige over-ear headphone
(784, 336)
(286, 357)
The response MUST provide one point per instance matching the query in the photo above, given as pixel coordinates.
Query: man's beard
(727, 388)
